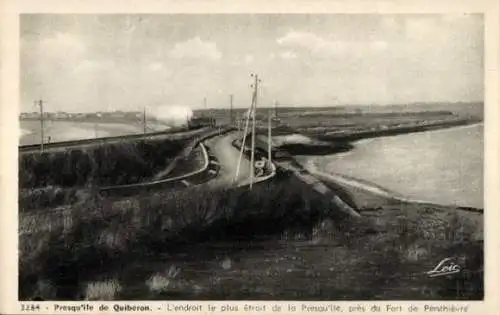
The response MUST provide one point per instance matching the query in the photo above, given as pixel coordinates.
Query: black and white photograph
(256, 157)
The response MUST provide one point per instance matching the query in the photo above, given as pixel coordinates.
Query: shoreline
(82, 130)
(310, 163)
(376, 189)
(75, 131)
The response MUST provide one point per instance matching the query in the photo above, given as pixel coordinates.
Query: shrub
(105, 233)
(110, 164)
(102, 290)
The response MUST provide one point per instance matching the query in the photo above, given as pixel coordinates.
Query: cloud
(313, 44)
(89, 68)
(248, 59)
(242, 60)
(155, 66)
(196, 48)
(62, 44)
(287, 55)
(92, 66)
(304, 40)
(378, 45)
(319, 47)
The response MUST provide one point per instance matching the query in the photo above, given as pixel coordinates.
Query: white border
(9, 98)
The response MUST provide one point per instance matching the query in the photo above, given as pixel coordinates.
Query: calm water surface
(67, 130)
(443, 166)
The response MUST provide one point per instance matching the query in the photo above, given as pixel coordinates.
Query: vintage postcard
(210, 157)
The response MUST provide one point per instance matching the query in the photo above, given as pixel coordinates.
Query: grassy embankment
(64, 177)
(102, 233)
(279, 241)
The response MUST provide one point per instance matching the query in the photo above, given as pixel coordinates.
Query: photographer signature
(445, 267)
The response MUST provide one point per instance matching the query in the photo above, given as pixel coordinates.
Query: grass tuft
(102, 290)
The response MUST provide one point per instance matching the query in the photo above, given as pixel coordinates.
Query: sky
(82, 63)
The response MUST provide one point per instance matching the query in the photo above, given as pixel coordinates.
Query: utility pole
(206, 112)
(243, 143)
(144, 119)
(254, 110)
(231, 120)
(276, 109)
(269, 139)
(40, 104)
(238, 122)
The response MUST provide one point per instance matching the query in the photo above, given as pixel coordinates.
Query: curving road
(227, 156)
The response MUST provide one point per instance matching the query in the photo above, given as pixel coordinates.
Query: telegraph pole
(40, 104)
(205, 112)
(276, 109)
(144, 119)
(231, 120)
(269, 139)
(243, 143)
(254, 109)
(238, 122)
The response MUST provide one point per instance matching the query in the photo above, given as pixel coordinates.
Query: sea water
(442, 166)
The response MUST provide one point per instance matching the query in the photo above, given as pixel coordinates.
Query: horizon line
(272, 106)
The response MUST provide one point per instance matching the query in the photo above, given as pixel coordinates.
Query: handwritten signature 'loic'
(445, 267)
